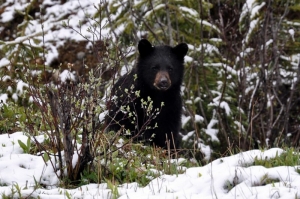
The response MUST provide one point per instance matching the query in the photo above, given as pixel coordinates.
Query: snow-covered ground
(228, 177)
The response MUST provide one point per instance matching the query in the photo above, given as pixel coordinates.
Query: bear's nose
(163, 83)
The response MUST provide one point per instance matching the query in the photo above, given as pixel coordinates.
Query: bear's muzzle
(162, 81)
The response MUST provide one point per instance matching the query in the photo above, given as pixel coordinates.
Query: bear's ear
(181, 50)
(145, 47)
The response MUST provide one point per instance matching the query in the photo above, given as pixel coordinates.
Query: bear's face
(161, 67)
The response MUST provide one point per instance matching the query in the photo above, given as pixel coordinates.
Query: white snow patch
(250, 7)
(4, 62)
(240, 127)
(192, 12)
(222, 67)
(102, 116)
(253, 24)
(20, 87)
(67, 75)
(15, 97)
(255, 9)
(225, 106)
(3, 98)
(5, 78)
(188, 135)
(199, 119)
(212, 132)
(158, 7)
(206, 150)
(215, 39)
(188, 59)
(184, 120)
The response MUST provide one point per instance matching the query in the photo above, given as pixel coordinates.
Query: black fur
(159, 73)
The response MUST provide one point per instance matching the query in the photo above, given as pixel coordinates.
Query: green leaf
(46, 157)
(28, 144)
(23, 146)
(26, 148)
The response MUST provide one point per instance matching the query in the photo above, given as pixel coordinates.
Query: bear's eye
(154, 68)
(170, 69)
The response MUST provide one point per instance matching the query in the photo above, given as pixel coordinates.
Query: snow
(3, 98)
(102, 116)
(185, 120)
(15, 97)
(188, 135)
(255, 10)
(240, 127)
(190, 11)
(206, 23)
(158, 7)
(49, 30)
(199, 118)
(225, 106)
(5, 78)
(67, 75)
(253, 24)
(188, 59)
(208, 48)
(11, 10)
(252, 8)
(222, 66)
(4, 62)
(211, 131)
(206, 150)
(226, 178)
(20, 86)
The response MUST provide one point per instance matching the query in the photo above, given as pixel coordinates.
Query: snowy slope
(228, 177)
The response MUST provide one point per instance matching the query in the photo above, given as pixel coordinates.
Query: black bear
(147, 103)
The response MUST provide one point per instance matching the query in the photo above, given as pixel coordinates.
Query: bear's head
(161, 67)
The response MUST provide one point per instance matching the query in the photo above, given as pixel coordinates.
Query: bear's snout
(162, 81)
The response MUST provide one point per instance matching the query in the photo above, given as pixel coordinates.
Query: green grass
(290, 157)
(133, 163)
